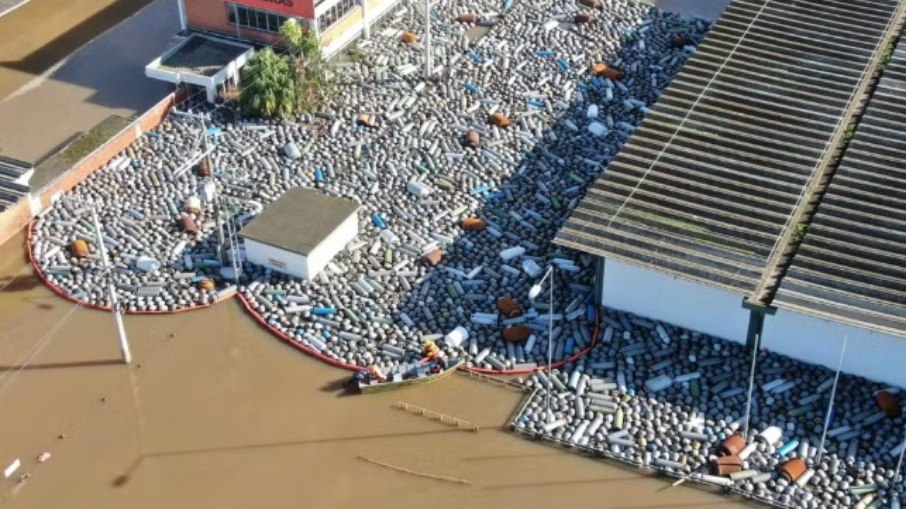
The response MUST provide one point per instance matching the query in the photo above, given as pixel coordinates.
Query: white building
(301, 232)
(698, 220)
(221, 34)
(206, 62)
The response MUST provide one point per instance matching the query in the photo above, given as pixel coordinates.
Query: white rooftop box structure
(202, 61)
(300, 232)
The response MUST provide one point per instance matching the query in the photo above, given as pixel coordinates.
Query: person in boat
(372, 374)
(433, 356)
(432, 351)
(437, 365)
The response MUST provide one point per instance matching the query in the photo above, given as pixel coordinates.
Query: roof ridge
(796, 228)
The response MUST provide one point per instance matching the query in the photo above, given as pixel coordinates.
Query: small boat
(408, 375)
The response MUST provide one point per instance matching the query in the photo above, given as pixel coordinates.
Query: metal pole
(830, 404)
(217, 211)
(755, 348)
(429, 64)
(366, 28)
(114, 302)
(896, 478)
(550, 344)
(182, 14)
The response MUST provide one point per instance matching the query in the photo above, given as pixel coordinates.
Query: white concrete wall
(297, 265)
(674, 300)
(265, 255)
(321, 255)
(874, 355)
(371, 13)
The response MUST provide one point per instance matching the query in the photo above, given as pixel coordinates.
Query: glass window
(337, 12)
(254, 19)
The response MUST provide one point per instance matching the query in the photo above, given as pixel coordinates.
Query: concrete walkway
(105, 77)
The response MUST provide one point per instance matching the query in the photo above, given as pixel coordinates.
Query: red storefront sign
(299, 8)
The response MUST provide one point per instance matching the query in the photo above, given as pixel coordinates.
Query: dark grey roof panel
(706, 184)
(850, 264)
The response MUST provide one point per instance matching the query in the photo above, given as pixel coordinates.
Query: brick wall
(211, 16)
(15, 218)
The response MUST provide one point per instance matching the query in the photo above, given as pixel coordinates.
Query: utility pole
(756, 345)
(534, 292)
(366, 28)
(830, 403)
(429, 54)
(114, 302)
(210, 166)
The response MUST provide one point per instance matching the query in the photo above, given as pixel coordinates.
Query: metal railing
(640, 467)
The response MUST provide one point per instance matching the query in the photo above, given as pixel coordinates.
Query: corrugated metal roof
(725, 168)
(850, 263)
(14, 177)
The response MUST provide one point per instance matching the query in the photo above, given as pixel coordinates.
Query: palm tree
(268, 85)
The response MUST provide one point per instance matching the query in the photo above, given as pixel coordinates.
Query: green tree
(302, 43)
(313, 82)
(280, 85)
(268, 86)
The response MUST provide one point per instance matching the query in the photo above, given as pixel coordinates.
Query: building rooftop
(299, 220)
(14, 181)
(202, 55)
(707, 184)
(850, 263)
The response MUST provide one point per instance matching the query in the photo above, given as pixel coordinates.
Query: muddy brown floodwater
(217, 413)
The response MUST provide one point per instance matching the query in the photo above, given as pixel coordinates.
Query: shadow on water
(63, 365)
(342, 388)
(542, 484)
(20, 283)
(506, 457)
(127, 474)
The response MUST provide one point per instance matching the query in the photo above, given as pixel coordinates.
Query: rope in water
(417, 474)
